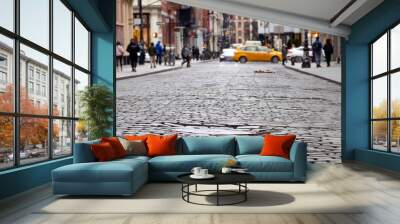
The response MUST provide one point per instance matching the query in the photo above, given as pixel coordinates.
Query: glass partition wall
(44, 64)
(385, 91)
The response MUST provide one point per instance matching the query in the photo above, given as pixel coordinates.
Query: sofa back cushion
(83, 152)
(207, 145)
(249, 145)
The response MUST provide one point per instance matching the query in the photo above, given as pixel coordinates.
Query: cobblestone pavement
(230, 98)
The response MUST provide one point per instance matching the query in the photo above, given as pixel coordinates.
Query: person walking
(152, 54)
(328, 50)
(197, 50)
(159, 51)
(133, 49)
(284, 54)
(142, 55)
(171, 57)
(194, 53)
(165, 55)
(186, 56)
(317, 50)
(120, 54)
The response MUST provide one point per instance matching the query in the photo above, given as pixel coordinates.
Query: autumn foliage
(33, 131)
(380, 127)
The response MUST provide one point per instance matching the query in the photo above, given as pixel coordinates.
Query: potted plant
(96, 103)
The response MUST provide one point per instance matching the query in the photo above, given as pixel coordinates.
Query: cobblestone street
(230, 98)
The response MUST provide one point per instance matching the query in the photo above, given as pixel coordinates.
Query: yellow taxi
(256, 53)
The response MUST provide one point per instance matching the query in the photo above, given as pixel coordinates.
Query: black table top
(220, 178)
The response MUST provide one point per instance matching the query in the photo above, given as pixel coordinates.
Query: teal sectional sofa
(125, 176)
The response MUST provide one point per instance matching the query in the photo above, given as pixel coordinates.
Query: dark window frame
(16, 114)
(388, 74)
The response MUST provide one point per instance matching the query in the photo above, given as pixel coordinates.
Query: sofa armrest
(83, 152)
(298, 155)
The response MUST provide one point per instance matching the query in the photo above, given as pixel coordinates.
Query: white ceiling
(322, 9)
(307, 14)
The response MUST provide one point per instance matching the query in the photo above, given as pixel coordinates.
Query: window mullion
(16, 68)
(50, 82)
(389, 101)
(73, 82)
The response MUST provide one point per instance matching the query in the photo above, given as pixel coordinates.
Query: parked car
(256, 53)
(227, 54)
(22, 155)
(296, 54)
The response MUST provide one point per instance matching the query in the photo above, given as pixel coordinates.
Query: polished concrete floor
(379, 190)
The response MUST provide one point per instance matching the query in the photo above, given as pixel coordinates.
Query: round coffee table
(238, 179)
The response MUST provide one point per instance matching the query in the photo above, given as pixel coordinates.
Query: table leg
(245, 193)
(182, 188)
(217, 194)
(188, 189)
(195, 188)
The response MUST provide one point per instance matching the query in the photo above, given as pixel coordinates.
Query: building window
(44, 91)
(30, 73)
(38, 89)
(37, 74)
(45, 131)
(385, 94)
(3, 78)
(30, 88)
(3, 69)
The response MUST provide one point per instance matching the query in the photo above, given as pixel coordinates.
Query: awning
(327, 16)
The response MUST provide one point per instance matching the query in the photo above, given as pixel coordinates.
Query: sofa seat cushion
(257, 163)
(133, 157)
(112, 171)
(185, 163)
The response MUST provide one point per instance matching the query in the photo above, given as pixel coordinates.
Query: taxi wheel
(242, 59)
(275, 59)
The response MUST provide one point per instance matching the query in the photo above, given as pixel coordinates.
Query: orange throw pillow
(161, 145)
(103, 152)
(116, 145)
(277, 145)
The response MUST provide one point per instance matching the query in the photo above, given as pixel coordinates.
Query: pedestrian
(186, 56)
(152, 54)
(317, 50)
(171, 56)
(133, 49)
(120, 54)
(142, 55)
(197, 53)
(284, 54)
(328, 50)
(165, 55)
(194, 52)
(159, 51)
